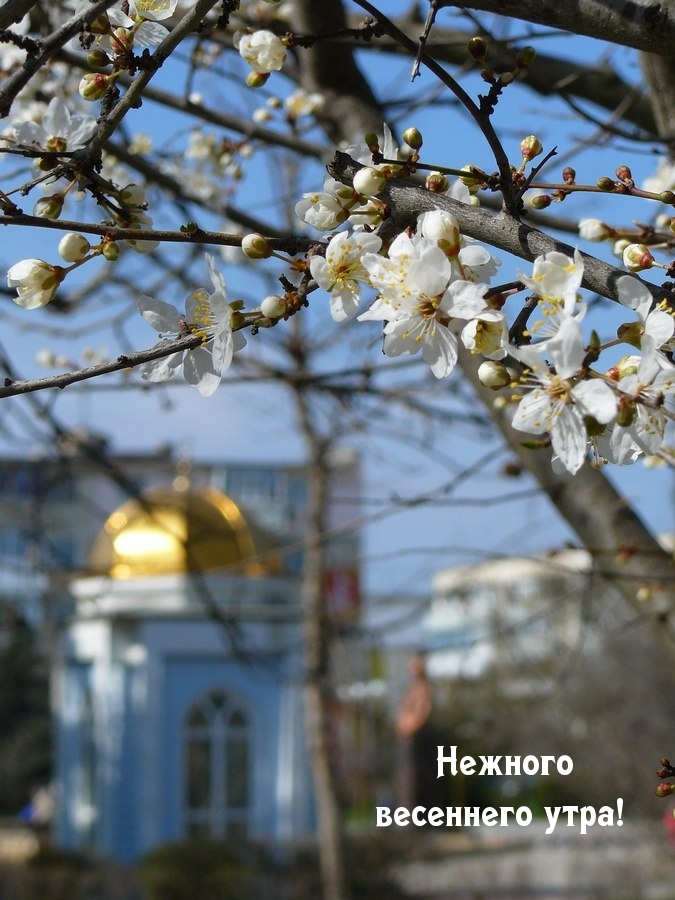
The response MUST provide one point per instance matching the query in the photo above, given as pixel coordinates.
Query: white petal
(567, 348)
(162, 316)
(596, 399)
(161, 369)
(569, 439)
(533, 413)
(199, 372)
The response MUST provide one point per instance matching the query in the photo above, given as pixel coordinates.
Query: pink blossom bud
(541, 201)
(93, 85)
(437, 182)
(637, 257)
(530, 147)
(623, 173)
(665, 789)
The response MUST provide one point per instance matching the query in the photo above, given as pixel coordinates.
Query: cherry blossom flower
(556, 279)
(487, 334)
(59, 130)
(556, 404)
(262, 50)
(418, 302)
(322, 210)
(663, 179)
(657, 325)
(206, 314)
(341, 271)
(648, 382)
(36, 282)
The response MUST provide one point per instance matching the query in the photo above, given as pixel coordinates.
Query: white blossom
(206, 314)
(59, 130)
(36, 282)
(341, 272)
(556, 404)
(262, 50)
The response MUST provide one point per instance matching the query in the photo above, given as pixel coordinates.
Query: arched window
(217, 734)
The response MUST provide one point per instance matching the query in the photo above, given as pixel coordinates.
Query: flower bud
(100, 25)
(474, 179)
(605, 183)
(506, 78)
(494, 374)
(637, 257)
(594, 230)
(478, 47)
(257, 79)
(436, 182)
(626, 366)
(110, 251)
(667, 197)
(93, 85)
(47, 358)
(526, 57)
(49, 207)
(73, 247)
(413, 138)
(623, 173)
(441, 226)
(98, 59)
(372, 142)
(541, 201)
(530, 147)
(620, 246)
(132, 195)
(569, 175)
(369, 181)
(273, 307)
(255, 246)
(36, 282)
(665, 789)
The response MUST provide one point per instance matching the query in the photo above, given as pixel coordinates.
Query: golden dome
(169, 532)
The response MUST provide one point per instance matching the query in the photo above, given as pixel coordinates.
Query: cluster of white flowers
(431, 292)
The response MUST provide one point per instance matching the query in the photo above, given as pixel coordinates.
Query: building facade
(174, 596)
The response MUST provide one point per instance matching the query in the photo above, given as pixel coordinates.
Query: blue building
(177, 691)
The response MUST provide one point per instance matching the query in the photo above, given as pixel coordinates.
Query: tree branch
(501, 230)
(641, 24)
